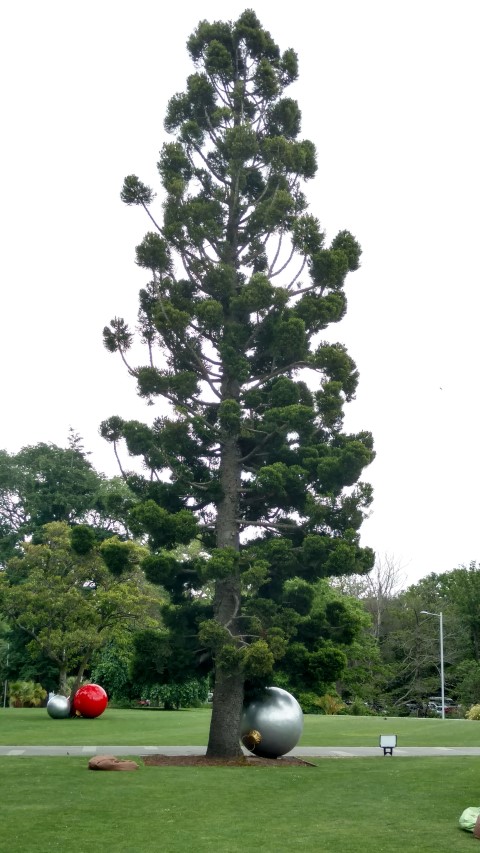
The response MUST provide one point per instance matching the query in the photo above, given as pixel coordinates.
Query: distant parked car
(436, 708)
(449, 704)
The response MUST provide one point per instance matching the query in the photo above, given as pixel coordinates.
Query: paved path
(300, 751)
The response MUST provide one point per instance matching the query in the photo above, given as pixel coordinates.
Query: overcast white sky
(389, 95)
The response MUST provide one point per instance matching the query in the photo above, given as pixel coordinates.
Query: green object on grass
(469, 817)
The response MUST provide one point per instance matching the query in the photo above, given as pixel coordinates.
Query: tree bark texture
(228, 689)
(224, 738)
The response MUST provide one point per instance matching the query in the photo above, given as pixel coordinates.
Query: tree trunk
(224, 738)
(224, 735)
(76, 684)
(62, 683)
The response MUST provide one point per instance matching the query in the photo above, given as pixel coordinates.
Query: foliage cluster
(173, 696)
(473, 713)
(26, 694)
(66, 595)
(43, 483)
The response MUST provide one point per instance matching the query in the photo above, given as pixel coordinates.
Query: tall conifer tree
(252, 459)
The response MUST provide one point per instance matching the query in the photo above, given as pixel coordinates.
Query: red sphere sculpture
(90, 700)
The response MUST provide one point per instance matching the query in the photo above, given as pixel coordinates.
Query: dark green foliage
(45, 483)
(64, 595)
(462, 587)
(22, 666)
(54, 484)
(134, 192)
(116, 555)
(41, 484)
(299, 595)
(111, 668)
(165, 529)
(243, 279)
(188, 694)
(174, 654)
(82, 539)
(309, 703)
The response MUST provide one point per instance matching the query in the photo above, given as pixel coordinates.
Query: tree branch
(289, 287)
(263, 442)
(260, 380)
(272, 265)
(157, 226)
(208, 165)
(285, 265)
(267, 525)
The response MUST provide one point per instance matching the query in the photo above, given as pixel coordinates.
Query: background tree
(111, 667)
(43, 483)
(251, 458)
(461, 587)
(365, 676)
(467, 683)
(381, 585)
(410, 641)
(376, 589)
(22, 666)
(69, 595)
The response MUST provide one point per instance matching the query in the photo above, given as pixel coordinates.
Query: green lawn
(339, 806)
(19, 726)
(378, 805)
(33, 726)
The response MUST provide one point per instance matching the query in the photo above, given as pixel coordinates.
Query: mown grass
(347, 805)
(29, 726)
(20, 726)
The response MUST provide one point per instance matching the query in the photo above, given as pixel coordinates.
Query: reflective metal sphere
(58, 707)
(277, 718)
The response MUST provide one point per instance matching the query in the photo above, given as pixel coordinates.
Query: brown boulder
(110, 762)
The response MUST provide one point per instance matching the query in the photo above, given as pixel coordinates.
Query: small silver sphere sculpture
(272, 724)
(58, 707)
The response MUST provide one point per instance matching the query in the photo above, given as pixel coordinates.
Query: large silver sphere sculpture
(272, 724)
(58, 707)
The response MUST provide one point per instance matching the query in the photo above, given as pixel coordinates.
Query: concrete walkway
(300, 751)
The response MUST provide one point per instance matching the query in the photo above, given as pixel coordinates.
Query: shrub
(26, 694)
(331, 704)
(473, 713)
(310, 703)
(190, 694)
(359, 709)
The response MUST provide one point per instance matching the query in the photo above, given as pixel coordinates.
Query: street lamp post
(442, 674)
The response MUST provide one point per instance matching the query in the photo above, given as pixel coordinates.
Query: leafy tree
(467, 687)
(409, 640)
(69, 595)
(462, 589)
(328, 628)
(458, 596)
(252, 457)
(376, 589)
(44, 483)
(365, 675)
(111, 666)
(21, 665)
